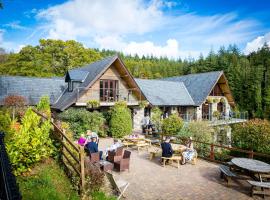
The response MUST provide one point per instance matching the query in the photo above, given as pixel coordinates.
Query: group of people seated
(91, 142)
(187, 155)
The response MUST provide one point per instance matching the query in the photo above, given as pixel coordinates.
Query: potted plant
(216, 114)
(143, 104)
(209, 100)
(222, 100)
(93, 104)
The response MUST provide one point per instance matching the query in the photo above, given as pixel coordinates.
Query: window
(70, 86)
(108, 90)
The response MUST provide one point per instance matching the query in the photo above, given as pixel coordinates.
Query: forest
(248, 75)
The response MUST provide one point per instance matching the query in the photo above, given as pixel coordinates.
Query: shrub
(201, 131)
(253, 134)
(31, 144)
(44, 106)
(172, 125)
(93, 104)
(81, 120)
(5, 121)
(216, 114)
(143, 104)
(156, 118)
(120, 120)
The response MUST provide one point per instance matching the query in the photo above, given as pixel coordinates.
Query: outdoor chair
(114, 156)
(123, 164)
(94, 157)
(119, 185)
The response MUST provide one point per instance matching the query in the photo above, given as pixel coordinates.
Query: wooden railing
(211, 154)
(68, 151)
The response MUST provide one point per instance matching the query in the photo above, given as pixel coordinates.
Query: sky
(173, 28)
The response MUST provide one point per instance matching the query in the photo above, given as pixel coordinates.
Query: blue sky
(173, 28)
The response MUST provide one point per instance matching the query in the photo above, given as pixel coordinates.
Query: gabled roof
(165, 93)
(93, 71)
(32, 89)
(199, 85)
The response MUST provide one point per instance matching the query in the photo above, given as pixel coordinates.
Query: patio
(149, 180)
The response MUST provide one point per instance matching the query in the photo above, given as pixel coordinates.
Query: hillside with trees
(248, 75)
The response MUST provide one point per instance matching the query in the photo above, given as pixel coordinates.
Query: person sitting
(116, 143)
(167, 150)
(92, 147)
(91, 134)
(81, 141)
(189, 153)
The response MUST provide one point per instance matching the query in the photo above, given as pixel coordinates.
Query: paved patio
(149, 180)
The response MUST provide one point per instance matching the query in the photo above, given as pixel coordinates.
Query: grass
(101, 196)
(47, 181)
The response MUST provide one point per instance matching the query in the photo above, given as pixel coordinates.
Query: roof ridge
(194, 74)
(31, 77)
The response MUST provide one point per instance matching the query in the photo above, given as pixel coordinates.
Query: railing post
(251, 154)
(212, 154)
(82, 169)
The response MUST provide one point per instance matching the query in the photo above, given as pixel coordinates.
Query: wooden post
(251, 154)
(82, 168)
(212, 154)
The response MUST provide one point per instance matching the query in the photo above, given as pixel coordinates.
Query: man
(92, 147)
(114, 146)
(167, 150)
(91, 134)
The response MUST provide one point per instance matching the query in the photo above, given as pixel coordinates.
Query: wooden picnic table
(252, 165)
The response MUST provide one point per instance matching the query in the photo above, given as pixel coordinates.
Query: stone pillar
(138, 119)
(198, 112)
(229, 135)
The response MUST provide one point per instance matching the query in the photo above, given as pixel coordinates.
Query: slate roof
(92, 71)
(199, 85)
(31, 88)
(165, 93)
(76, 75)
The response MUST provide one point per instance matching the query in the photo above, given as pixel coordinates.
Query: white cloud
(142, 27)
(82, 17)
(7, 45)
(257, 43)
(15, 25)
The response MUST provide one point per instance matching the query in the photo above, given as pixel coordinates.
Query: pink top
(81, 141)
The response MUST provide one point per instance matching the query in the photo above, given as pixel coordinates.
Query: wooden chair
(119, 185)
(94, 157)
(123, 164)
(114, 156)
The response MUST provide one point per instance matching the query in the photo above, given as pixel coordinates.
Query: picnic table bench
(173, 158)
(258, 187)
(226, 173)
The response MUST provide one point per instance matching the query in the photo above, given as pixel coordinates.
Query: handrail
(8, 186)
(63, 139)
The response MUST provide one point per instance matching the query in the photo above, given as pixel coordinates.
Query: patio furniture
(173, 158)
(123, 164)
(226, 173)
(251, 165)
(106, 166)
(154, 152)
(119, 185)
(116, 155)
(258, 187)
(94, 157)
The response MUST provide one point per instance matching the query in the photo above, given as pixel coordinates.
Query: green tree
(120, 120)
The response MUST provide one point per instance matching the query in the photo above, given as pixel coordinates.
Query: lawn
(47, 181)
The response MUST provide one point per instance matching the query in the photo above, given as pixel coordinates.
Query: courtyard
(149, 180)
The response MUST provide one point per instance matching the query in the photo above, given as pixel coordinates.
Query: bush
(80, 120)
(120, 120)
(5, 121)
(93, 104)
(201, 131)
(172, 125)
(31, 144)
(15, 102)
(44, 106)
(252, 135)
(156, 118)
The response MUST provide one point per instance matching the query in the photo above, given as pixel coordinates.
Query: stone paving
(150, 181)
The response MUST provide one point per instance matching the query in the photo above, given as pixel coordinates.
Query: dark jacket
(92, 147)
(167, 150)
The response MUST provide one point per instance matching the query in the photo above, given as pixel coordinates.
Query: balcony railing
(233, 117)
(110, 96)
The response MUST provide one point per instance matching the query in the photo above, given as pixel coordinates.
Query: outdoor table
(252, 165)
(105, 165)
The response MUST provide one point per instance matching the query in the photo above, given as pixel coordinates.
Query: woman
(90, 134)
(189, 152)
